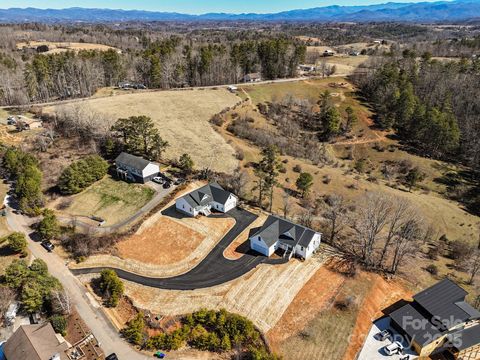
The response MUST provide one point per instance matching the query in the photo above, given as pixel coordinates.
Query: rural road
(215, 269)
(91, 312)
(70, 101)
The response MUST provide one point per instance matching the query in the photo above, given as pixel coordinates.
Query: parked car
(166, 184)
(112, 356)
(383, 335)
(48, 246)
(393, 348)
(159, 355)
(11, 120)
(158, 180)
(179, 181)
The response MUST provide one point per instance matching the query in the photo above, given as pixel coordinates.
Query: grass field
(109, 199)
(57, 47)
(182, 118)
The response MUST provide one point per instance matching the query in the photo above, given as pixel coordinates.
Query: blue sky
(192, 6)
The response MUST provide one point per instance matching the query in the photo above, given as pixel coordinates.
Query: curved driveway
(213, 270)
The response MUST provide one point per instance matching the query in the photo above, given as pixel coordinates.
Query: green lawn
(110, 199)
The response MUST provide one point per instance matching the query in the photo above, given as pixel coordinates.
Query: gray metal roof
(206, 194)
(415, 325)
(277, 229)
(466, 338)
(446, 301)
(132, 161)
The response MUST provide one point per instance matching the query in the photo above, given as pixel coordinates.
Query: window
(301, 247)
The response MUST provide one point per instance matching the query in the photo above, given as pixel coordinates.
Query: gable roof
(277, 229)
(206, 194)
(446, 301)
(466, 338)
(34, 342)
(133, 161)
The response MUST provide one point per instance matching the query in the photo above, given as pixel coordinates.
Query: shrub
(459, 250)
(48, 228)
(59, 324)
(217, 120)
(133, 332)
(81, 174)
(297, 168)
(111, 287)
(17, 242)
(432, 269)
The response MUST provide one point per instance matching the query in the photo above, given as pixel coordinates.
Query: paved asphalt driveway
(215, 269)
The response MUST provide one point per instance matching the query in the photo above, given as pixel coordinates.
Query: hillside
(450, 11)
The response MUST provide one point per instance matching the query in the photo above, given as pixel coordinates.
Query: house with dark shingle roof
(205, 199)
(438, 320)
(277, 233)
(135, 168)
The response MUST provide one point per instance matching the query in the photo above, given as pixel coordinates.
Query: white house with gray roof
(277, 233)
(135, 168)
(205, 199)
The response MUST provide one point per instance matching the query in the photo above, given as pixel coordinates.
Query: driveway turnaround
(215, 269)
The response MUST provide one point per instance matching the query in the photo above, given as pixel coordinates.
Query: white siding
(150, 169)
(185, 207)
(306, 252)
(257, 244)
(230, 203)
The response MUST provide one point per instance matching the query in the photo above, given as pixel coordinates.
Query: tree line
(434, 106)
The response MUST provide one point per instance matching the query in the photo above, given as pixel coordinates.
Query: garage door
(258, 247)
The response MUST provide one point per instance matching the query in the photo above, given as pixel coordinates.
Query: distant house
(440, 320)
(328, 53)
(35, 342)
(205, 199)
(277, 233)
(135, 168)
(307, 68)
(252, 77)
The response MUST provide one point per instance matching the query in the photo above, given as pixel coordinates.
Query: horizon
(192, 7)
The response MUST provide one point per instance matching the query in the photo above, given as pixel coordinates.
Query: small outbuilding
(252, 77)
(135, 168)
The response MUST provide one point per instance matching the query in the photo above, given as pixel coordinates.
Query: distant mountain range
(441, 11)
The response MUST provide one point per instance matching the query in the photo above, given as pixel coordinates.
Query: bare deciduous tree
(474, 265)
(370, 222)
(7, 295)
(405, 242)
(286, 204)
(61, 302)
(336, 212)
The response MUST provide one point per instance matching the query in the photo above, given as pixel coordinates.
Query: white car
(158, 180)
(393, 348)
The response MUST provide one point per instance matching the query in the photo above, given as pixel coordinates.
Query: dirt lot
(167, 242)
(57, 47)
(110, 199)
(182, 118)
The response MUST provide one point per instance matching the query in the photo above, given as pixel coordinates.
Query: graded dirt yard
(262, 295)
(112, 200)
(168, 241)
(57, 47)
(182, 119)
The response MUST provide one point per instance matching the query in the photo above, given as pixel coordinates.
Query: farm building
(277, 233)
(205, 199)
(307, 68)
(447, 322)
(135, 168)
(252, 77)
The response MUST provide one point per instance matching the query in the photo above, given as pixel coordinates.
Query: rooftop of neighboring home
(440, 309)
(206, 194)
(277, 229)
(132, 161)
(35, 342)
